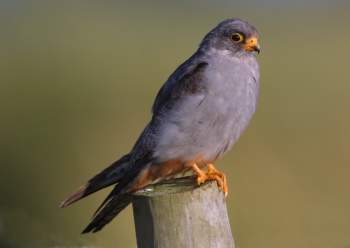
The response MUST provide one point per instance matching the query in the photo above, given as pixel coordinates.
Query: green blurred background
(77, 79)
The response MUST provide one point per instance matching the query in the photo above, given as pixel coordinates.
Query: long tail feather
(118, 199)
(112, 209)
(111, 175)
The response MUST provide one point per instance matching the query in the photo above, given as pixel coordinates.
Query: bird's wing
(184, 81)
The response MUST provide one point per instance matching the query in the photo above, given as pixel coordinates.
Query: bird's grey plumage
(198, 114)
(207, 118)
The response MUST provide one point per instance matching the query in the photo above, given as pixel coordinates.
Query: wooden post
(178, 214)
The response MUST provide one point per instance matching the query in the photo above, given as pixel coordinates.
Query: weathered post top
(178, 214)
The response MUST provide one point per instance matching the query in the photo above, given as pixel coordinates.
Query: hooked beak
(252, 45)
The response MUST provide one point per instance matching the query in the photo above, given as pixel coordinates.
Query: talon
(201, 175)
(212, 174)
(201, 179)
(219, 177)
(218, 180)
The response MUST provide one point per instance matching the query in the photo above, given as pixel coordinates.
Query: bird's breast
(231, 101)
(232, 85)
(208, 124)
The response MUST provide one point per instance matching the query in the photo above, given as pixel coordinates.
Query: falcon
(198, 115)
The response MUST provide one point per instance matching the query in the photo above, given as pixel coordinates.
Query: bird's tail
(118, 199)
(111, 175)
(123, 173)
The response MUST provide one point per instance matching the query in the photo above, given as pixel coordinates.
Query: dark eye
(237, 37)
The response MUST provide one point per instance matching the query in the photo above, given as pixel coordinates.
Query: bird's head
(233, 35)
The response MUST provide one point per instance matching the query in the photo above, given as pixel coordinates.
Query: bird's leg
(201, 175)
(219, 177)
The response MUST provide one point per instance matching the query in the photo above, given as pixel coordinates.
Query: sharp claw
(201, 179)
(201, 176)
(219, 177)
(212, 174)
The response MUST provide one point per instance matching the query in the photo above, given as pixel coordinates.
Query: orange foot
(212, 174)
(219, 177)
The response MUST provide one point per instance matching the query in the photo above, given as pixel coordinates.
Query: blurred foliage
(77, 80)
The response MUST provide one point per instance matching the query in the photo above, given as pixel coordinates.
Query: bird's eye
(237, 37)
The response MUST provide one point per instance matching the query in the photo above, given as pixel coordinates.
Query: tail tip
(63, 204)
(91, 228)
(80, 193)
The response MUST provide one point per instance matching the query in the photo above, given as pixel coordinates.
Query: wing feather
(185, 80)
